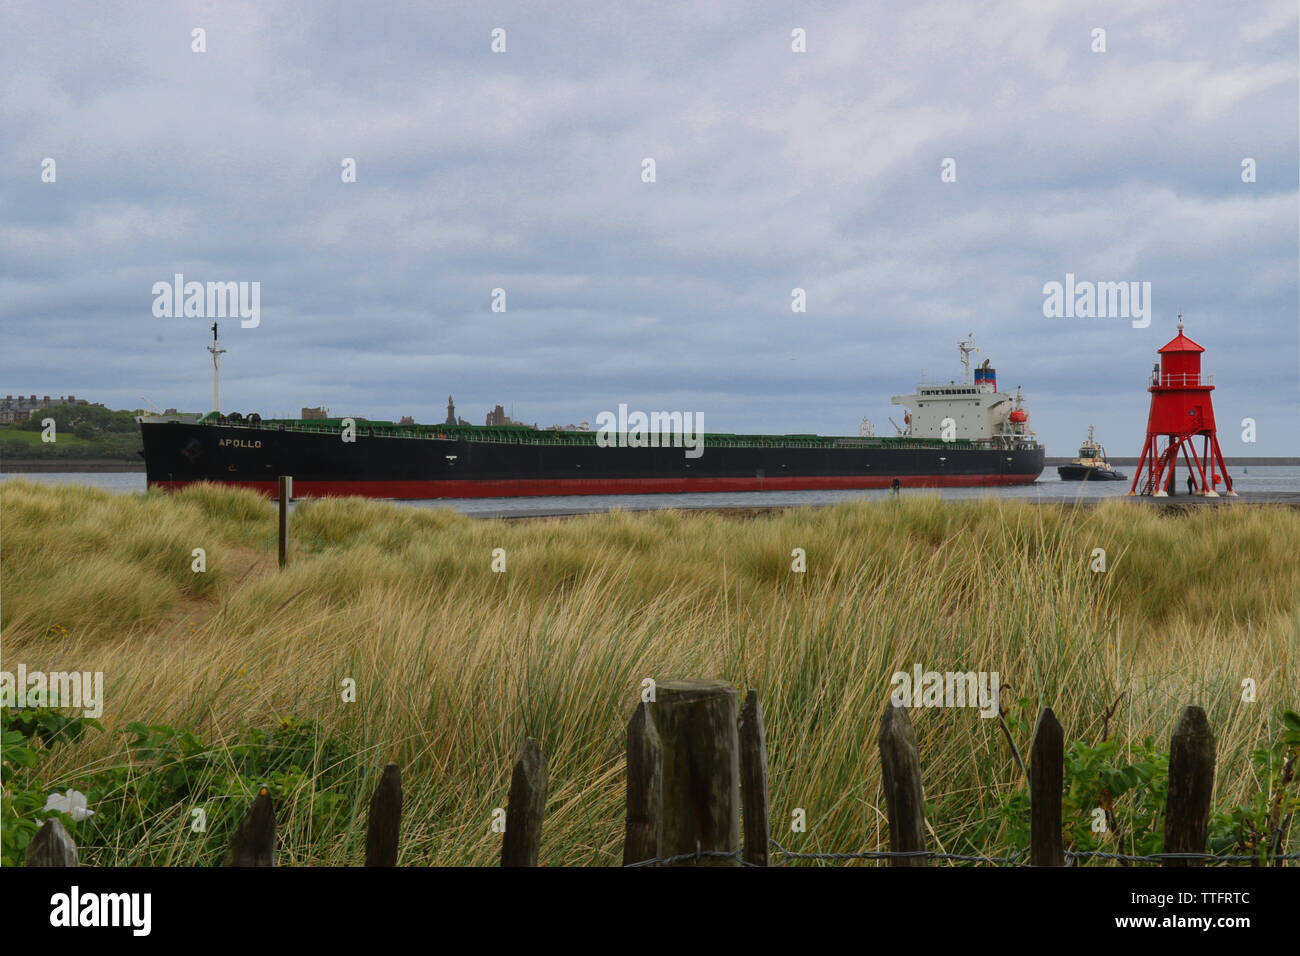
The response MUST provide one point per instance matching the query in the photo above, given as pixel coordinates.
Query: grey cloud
(775, 170)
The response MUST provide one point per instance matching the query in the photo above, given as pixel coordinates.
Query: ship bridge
(978, 411)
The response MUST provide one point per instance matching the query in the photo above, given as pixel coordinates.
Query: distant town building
(19, 408)
(452, 417)
(407, 420)
(498, 416)
(315, 414)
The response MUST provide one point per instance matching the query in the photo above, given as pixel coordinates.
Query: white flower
(73, 803)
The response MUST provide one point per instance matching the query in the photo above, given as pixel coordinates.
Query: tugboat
(1091, 465)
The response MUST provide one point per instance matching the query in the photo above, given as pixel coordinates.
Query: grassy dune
(455, 664)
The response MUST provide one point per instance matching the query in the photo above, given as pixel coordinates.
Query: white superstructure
(974, 411)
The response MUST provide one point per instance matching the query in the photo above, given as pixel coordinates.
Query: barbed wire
(697, 856)
(1015, 859)
(1162, 857)
(899, 854)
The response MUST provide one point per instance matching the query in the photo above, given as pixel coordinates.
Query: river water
(1251, 480)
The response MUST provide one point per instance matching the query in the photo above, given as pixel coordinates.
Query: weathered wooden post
(753, 781)
(696, 720)
(645, 789)
(900, 777)
(527, 806)
(1046, 782)
(52, 846)
(254, 841)
(1191, 784)
(286, 492)
(385, 821)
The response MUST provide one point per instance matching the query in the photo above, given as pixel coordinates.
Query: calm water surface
(1257, 479)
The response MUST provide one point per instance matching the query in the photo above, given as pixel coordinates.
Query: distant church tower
(451, 412)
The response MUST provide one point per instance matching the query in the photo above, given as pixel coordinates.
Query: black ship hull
(322, 464)
(1087, 473)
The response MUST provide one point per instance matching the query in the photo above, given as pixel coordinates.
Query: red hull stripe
(513, 488)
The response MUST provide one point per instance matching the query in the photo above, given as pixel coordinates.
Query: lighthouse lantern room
(1181, 411)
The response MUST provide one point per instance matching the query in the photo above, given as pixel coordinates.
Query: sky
(775, 168)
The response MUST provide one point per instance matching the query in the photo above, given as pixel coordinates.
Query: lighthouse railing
(1181, 380)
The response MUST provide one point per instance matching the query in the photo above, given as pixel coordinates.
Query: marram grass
(455, 664)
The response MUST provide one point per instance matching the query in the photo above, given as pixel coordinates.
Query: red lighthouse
(1180, 411)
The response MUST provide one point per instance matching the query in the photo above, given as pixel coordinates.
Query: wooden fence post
(900, 777)
(286, 492)
(527, 806)
(385, 821)
(753, 781)
(696, 720)
(1191, 783)
(52, 846)
(254, 841)
(1046, 781)
(643, 833)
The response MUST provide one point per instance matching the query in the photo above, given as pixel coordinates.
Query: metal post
(216, 351)
(286, 492)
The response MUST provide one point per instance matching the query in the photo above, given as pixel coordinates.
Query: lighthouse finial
(1180, 321)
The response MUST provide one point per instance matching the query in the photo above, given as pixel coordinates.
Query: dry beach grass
(454, 664)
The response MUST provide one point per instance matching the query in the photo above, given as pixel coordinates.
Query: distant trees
(104, 433)
(98, 421)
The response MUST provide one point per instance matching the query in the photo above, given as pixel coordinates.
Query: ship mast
(967, 347)
(216, 350)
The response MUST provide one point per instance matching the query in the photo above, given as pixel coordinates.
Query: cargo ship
(954, 434)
